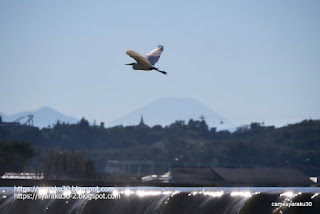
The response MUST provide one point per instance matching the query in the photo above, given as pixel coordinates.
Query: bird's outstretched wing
(153, 56)
(138, 57)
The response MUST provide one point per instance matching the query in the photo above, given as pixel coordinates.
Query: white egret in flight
(146, 63)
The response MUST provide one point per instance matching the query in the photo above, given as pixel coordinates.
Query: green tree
(14, 155)
(68, 165)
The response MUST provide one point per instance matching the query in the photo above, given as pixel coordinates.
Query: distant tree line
(296, 145)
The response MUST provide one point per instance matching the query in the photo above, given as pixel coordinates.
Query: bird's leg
(160, 71)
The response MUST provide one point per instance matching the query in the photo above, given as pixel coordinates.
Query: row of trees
(82, 135)
(68, 165)
(296, 145)
(15, 156)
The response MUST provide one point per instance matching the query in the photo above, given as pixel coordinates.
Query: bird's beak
(129, 64)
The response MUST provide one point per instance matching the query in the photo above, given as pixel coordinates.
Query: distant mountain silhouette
(43, 117)
(165, 111)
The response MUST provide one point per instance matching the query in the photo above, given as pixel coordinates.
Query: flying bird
(146, 62)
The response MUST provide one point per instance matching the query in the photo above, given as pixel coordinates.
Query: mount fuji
(165, 111)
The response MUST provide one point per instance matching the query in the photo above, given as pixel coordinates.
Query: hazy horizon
(128, 116)
(248, 61)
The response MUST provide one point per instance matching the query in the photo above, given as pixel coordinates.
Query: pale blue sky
(247, 60)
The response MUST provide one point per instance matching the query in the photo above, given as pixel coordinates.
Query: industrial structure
(26, 120)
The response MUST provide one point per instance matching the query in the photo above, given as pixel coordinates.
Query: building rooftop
(224, 176)
(263, 176)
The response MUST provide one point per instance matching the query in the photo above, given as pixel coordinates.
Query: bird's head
(130, 63)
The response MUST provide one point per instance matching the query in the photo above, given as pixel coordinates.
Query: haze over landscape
(160, 112)
(249, 61)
